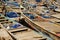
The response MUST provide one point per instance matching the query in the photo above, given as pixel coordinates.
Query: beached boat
(43, 25)
(20, 32)
(4, 35)
(13, 13)
(27, 34)
(48, 15)
(42, 9)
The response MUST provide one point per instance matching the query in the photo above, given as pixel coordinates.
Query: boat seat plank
(4, 35)
(56, 15)
(54, 20)
(16, 10)
(5, 22)
(0, 10)
(18, 29)
(48, 26)
(17, 18)
(2, 17)
(28, 35)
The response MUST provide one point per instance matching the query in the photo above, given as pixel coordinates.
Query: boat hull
(35, 26)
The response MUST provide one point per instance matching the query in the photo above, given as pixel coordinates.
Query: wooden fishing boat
(26, 34)
(4, 35)
(21, 32)
(41, 9)
(56, 16)
(46, 27)
(17, 10)
(51, 16)
(41, 25)
(0, 10)
(37, 24)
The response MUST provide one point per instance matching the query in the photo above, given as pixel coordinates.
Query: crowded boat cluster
(29, 20)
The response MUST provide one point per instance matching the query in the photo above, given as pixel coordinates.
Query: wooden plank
(49, 30)
(54, 20)
(16, 10)
(0, 10)
(57, 10)
(1, 6)
(2, 17)
(4, 35)
(9, 33)
(28, 35)
(56, 15)
(48, 26)
(18, 29)
(17, 18)
(44, 26)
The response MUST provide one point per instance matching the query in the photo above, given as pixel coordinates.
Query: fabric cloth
(38, 0)
(13, 3)
(11, 14)
(16, 25)
(31, 16)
